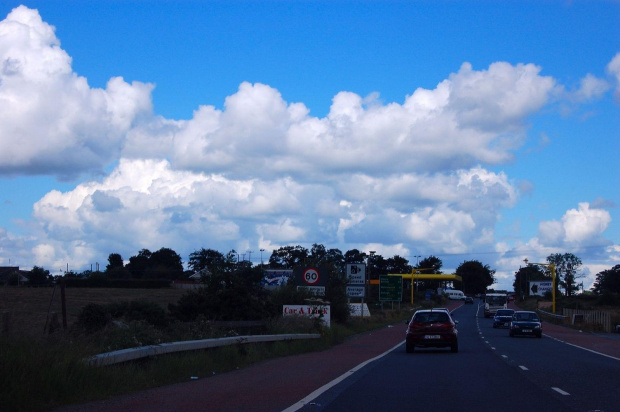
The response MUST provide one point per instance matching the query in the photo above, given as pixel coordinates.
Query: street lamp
(261, 257)
(551, 266)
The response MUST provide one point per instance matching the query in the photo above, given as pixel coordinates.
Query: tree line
(166, 264)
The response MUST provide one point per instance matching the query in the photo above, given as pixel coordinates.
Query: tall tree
(608, 281)
(398, 264)
(476, 277)
(38, 276)
(354, 256)
(115, 268)
(206, 259)
(288, 257)
(431, 266)
(165, 263)
(138, 264)
(524, 276)
(566, 266)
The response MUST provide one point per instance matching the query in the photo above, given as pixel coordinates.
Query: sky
(465, 130)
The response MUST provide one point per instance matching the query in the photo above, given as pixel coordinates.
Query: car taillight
(415, 326)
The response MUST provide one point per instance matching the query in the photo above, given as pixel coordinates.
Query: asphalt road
(491, 372)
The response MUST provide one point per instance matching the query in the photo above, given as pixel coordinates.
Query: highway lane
(588, 380)
(491, 372)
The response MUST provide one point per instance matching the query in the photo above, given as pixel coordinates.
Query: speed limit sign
(311, 276)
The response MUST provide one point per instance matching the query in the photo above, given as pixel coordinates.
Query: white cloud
(51, 121)
(577, 227)
(590, 88)
(613, 68)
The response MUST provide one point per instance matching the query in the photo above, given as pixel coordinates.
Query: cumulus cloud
(390, 177)
(577, 226)
(472, 117)
(51, 121)
(613, 69)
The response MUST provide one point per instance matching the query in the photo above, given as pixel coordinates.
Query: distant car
(469, 299)
(432, 328)
(502, 318)
(525, 323)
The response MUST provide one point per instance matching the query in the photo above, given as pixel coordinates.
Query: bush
(93, 317)
(608, 299)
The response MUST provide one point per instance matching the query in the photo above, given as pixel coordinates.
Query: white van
(455, 294)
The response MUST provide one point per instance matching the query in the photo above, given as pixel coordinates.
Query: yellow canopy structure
(416, 275)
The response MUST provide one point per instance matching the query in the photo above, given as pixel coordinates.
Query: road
(491, 372)
(372, 372)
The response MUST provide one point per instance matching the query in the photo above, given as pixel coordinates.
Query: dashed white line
(560, 391)
(523, 368)
(504, 356)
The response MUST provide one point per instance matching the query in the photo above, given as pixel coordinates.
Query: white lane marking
(581, 347)
(492, 348)
(523, 368)
(504, 356)
(300, 404)
(560, 391)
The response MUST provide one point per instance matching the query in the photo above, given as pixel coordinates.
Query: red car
(432, 329)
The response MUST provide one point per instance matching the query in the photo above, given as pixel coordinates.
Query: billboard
(540, 287)
(272, 278)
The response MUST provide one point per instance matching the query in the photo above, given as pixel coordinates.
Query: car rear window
(431, 317)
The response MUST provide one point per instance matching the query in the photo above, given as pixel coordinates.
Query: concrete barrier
(125, 355)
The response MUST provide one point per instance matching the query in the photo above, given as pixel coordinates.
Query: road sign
(356, 291)
(315, 290)
(390, 288)
(311, 277)
(356, 272)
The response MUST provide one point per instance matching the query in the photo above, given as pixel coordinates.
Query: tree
(608, 281)
(430, 266)
(165, 264)
(476, 277)
(354, 256)
(38, 276)
(114, 261)
(566, 266)
(524, 276)
(398, 264)
(162, 264)
(138, 264)
(115, 268)
(288, 257)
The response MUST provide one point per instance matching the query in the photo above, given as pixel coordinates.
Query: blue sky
(465, 130)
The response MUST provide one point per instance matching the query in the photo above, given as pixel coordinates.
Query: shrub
(93, 317)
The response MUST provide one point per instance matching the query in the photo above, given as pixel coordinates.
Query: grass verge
(41, 375)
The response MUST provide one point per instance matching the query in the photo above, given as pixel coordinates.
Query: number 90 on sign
(311, 276)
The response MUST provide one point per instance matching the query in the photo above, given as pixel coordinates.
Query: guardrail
(125, 355)
(553, 316)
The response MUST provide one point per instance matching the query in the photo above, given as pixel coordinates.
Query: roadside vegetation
(44, 339)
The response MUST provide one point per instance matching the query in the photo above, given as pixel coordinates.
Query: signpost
(312, 279)
(390, 288)
(356, 273)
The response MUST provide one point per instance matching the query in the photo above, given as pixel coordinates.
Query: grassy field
(42, 371)
(27, 308)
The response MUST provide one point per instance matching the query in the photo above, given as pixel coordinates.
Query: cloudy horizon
(443, 170)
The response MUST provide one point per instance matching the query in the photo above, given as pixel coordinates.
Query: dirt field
(27, 308)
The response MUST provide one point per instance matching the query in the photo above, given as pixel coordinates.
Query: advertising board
(540, 287)
(312, 311)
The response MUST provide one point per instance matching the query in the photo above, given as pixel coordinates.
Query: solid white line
(524, 368)
(560, 391)
(300, 404)
(580, 347)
